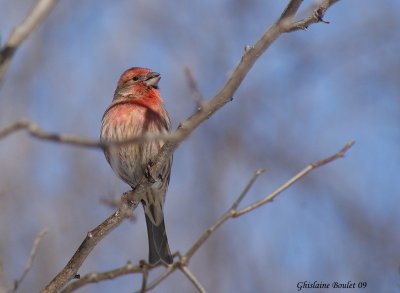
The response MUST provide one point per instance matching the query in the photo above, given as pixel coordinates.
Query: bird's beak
(152, 79)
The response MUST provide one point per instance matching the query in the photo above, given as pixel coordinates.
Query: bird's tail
(158, 243)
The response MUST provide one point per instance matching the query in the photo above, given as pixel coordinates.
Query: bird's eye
(135, 78)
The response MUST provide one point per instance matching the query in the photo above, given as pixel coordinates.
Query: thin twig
(316, 16)
(233, 213)
(22, 31)
(162, 277)
(34, 130)
(185, 270)
(247, 188)
(145, 273)
(295, 178)
(228, 214)
(338, 155)
(32, 255)
(129, 268)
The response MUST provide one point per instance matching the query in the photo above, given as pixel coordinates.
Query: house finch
(136, 109)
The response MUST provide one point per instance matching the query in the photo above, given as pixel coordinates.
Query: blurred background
(303, 100)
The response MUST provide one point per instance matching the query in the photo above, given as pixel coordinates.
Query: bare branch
(129, 268)
(316, 16)
(192, 278)
(247, 188)
(338, 155)
(91, 240)
(231, 213)
(34, 130)
(295, 178)
(32, 255)
(203, 238)
(250, 56)
(22, 31)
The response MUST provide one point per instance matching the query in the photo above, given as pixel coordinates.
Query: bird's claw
(147, 173)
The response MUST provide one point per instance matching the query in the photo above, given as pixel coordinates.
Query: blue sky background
(309, 94)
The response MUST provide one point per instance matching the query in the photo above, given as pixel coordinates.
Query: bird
(138, 109)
